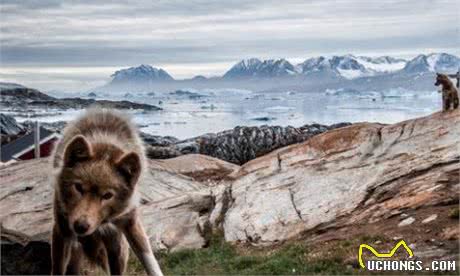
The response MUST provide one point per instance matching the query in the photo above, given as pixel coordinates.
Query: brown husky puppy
(449, 92)
(98, 163)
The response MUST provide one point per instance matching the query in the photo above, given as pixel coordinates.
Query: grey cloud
(122, 33)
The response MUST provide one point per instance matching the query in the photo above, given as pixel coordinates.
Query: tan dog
(449, 92)
(98, 164)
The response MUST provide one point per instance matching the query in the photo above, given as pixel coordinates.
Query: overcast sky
(76, 45)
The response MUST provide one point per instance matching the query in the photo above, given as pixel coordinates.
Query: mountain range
(253, 73)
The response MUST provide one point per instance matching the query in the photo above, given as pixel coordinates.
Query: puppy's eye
(79, 188)
(107, 196)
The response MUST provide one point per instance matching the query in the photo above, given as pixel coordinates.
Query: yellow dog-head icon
(382, 255)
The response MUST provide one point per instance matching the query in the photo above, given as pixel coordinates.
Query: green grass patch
(222, 258)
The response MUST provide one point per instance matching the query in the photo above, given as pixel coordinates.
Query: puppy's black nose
(80, 226)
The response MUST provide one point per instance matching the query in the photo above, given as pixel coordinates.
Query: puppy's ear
(129, 166)
(78, 150)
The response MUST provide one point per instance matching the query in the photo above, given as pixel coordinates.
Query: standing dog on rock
(98, 164)
(449, 92)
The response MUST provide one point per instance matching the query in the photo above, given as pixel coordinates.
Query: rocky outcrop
(399, 178)
(359, 174)
(241, 144)
(237, 146)
(20, 98)
(180, 222)
(199, 167)
(23, 94)
(158, 141)
(79, 103)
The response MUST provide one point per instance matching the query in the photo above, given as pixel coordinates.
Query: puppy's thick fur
(98, 163)
(449, 92)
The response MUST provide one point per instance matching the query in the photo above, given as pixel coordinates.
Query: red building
(23, 148)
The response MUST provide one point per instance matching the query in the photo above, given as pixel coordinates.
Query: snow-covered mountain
(382, 59)
(142, 73)
(382, 64)
(143, 78)
(433, 63)
(344, 66)
(255, 68)
(244, 68)
(256, 74)
(350, 67)
(316, 64)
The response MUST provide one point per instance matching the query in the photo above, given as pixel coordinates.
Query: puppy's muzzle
(81, 226)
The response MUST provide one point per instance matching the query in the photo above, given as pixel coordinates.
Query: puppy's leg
(117, 250)
(445, 103)
(60, 252)
(95, 250)
(139, 242)
(75, 263)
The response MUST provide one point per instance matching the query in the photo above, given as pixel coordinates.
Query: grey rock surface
(357, 174)
(241, 144)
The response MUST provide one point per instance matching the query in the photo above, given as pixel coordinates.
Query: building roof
(21, 144)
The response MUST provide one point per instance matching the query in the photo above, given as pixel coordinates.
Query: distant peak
(254, 67)
(143, 72)
(433, 62)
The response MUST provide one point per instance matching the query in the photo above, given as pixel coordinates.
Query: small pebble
(406, 222)
(430, 218)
